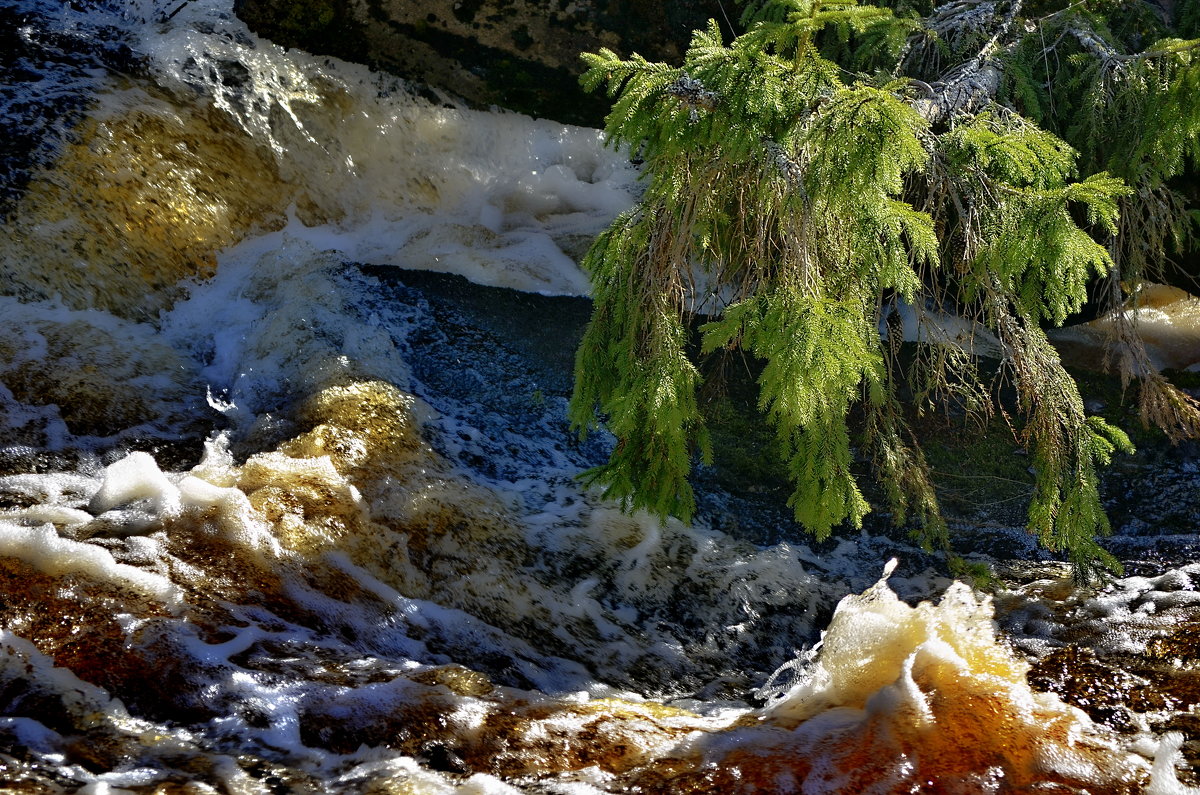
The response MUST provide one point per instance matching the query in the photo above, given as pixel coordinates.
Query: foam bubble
(136, 477)
(904, 694)
(1163, 778)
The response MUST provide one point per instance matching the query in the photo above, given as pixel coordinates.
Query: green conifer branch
(793, 199)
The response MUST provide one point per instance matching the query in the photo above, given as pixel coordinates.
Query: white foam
(32, 734)
(43, 548)
(1164, 780)
(136, 477)
(494, 197)
(86, 362)
(52, 514)
(903, 686)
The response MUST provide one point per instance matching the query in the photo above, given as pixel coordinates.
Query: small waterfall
(281, 511)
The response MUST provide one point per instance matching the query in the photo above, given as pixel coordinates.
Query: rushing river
(284, 508)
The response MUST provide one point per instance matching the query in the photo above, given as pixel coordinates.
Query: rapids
(288, 497)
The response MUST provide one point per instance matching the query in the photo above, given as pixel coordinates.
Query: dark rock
(520, 54)
(48, 72)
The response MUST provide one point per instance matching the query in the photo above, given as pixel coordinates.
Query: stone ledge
(518, 54)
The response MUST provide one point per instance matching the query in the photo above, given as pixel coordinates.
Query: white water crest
(278, 514)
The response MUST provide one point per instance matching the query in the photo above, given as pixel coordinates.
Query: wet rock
(168, 187)
(1102, 690)
(520, 54)
(46, 71)
(459, 680)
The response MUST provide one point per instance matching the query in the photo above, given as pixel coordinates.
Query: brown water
(1167, 318)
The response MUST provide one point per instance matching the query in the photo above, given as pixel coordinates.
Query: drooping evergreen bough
(987, 161)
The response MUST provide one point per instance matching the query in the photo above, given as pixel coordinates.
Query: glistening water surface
(278, 515)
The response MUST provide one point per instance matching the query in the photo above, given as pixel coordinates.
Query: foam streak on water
(270, 521)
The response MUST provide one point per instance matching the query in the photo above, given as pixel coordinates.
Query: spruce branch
(968, 87)
(788, 168)
(807, 197)
(963, 91)
(692, 93)
(1104, 52)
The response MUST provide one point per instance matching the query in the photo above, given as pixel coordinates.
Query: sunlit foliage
(837, 161)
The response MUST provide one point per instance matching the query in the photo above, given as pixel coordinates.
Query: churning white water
(278, 516)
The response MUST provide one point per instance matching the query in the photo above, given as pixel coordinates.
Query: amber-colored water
(1167, 318)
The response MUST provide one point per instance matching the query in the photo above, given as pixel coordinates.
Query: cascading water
(277, 516)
